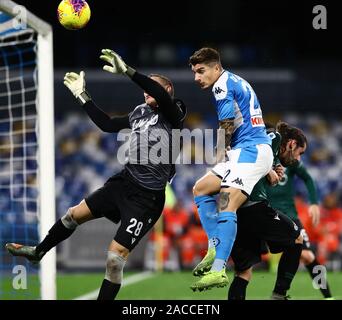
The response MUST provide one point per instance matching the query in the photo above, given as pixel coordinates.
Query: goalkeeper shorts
(121, 199)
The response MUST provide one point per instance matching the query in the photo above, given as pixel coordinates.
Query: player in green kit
(258, 223)
(281, 197)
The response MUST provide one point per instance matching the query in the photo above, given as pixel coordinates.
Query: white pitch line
(126, 282)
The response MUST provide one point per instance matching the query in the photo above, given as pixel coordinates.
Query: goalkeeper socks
(56, 234)
(108, 290)
(207, 212)
(325, 291)
(226, 233)
(237, 290)
(287, 268)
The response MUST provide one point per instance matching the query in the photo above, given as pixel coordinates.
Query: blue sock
(207, 212)
(226, 233)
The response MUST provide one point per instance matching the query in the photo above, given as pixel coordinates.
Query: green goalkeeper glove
(117, 65)
(76, 84)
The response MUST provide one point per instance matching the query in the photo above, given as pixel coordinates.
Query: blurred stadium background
(297, 74)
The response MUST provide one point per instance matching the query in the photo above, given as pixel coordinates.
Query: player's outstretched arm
(167, 105)
(170, 108)
(117, 66)
(76, 84)
(314, 211)
(115, 63)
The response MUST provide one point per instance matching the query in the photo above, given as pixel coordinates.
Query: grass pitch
(169, 286)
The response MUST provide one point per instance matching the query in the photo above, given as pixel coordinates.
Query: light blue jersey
(235, 99)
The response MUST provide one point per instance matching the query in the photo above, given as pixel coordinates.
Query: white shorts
(245, 167)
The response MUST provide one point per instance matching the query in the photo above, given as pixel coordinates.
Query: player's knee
(119, 249)
(114, 267)
(194, 190)
(197, 189)
(300, 239)
(68, 219)
(122, 252)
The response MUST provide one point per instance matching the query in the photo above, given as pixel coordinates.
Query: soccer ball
(73, 14)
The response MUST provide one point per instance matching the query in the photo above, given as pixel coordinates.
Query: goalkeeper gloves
(76, 84)
(117, 65)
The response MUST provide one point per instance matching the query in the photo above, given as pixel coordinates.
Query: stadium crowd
(85, 156)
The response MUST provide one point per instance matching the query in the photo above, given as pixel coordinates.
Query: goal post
(45, 135)
(46, 160)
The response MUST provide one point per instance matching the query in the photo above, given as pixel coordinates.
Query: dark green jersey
(281, 196)
(259, 192)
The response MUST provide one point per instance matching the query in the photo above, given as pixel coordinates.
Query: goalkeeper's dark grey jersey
(152, 153)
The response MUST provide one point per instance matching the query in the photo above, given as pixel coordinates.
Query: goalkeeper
(135, 196)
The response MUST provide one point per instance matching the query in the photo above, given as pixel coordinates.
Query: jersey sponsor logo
(144, 123)
(238, 181)
(276, 217)
(133, 240)
(257, 121)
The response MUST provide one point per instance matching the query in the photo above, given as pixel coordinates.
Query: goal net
(27, 199)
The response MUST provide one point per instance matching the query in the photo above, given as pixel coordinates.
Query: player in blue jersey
(248, 149)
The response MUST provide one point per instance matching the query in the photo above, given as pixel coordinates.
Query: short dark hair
(165, 80)
(288, 132)
(205, 55)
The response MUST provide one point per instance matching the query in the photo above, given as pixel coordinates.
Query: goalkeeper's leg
(60, 231)
(116, 259)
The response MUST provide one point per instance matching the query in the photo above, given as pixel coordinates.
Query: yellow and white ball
(73, 14)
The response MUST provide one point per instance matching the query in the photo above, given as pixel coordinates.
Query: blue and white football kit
(249, 159)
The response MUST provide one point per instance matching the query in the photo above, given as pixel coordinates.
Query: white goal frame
(46, 143)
